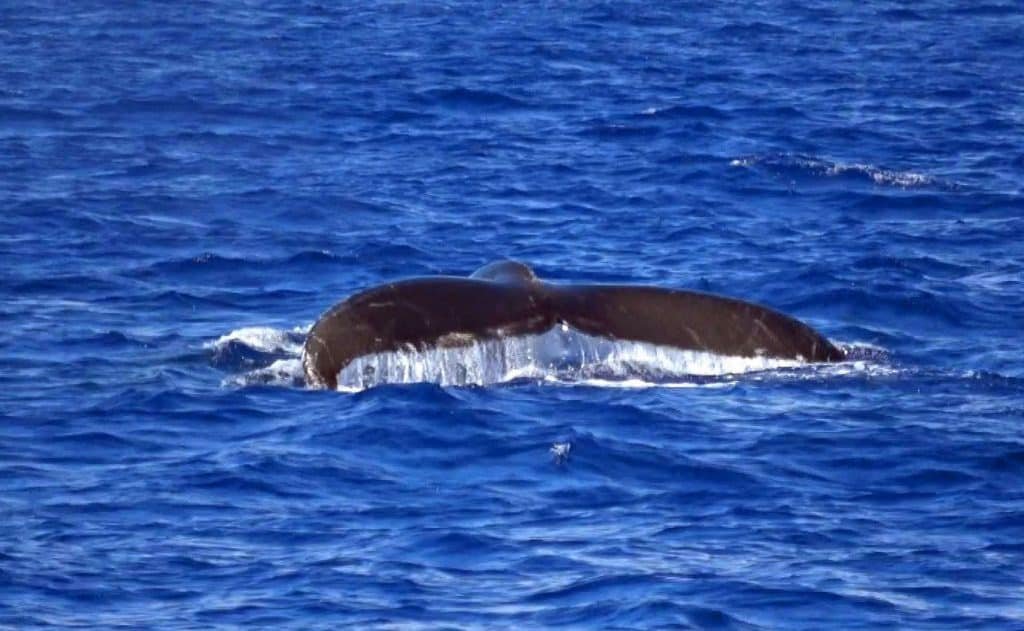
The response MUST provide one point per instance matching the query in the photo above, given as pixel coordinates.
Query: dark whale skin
(506, 298)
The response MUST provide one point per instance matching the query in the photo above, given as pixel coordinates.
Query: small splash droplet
(560, 452)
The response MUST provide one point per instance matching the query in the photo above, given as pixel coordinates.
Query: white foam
(560, 452)
(562, 356)
(264, 339)
(641, 384)
(906, 179)
(878, 175)
(283, 372)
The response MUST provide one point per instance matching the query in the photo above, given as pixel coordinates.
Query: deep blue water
(178, 172)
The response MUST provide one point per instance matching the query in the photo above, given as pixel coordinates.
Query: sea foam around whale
(562, 355)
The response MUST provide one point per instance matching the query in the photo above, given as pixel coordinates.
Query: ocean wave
(472, 98)
(687, 112)
(210, 264)
(795, 165)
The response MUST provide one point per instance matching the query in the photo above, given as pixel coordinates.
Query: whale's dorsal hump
(508, 272)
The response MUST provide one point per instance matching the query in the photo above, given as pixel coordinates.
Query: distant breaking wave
(562, 355)
(796, 165)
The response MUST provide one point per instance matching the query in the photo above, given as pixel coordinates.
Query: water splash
(560, 452)
(561, 355)
(283, 372)
(262, 339)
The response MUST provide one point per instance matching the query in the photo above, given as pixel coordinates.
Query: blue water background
(173, 172)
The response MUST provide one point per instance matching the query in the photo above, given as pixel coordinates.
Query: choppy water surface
(186, 188)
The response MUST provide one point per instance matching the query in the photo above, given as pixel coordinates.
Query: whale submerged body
(506, 299)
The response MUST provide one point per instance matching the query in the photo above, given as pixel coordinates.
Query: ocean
(186, 187)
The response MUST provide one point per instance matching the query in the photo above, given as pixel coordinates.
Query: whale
(506, 298)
